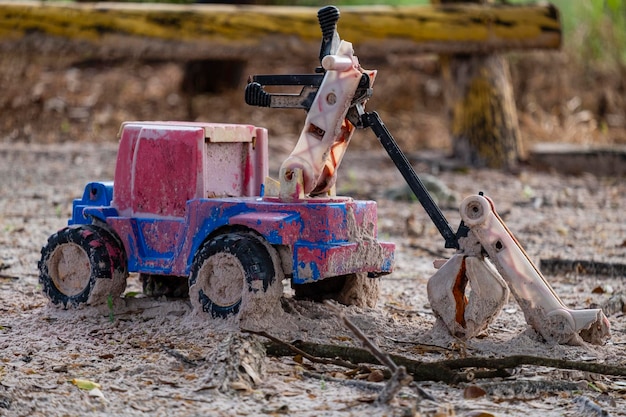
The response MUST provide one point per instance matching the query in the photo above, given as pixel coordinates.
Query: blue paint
(96, 194)
(313, 224)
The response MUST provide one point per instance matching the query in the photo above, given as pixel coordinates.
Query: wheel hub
(70, 269)
(226, 283)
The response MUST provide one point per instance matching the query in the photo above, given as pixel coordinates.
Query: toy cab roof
(213, 132)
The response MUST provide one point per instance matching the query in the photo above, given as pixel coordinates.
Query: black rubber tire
(99, 266)
(251, 259)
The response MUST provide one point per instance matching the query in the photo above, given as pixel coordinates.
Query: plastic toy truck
(184, 204)
(187, 201)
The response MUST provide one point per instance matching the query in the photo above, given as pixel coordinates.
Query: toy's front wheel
(82, 265)
(226, 270)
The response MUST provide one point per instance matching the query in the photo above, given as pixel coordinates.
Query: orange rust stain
(458, 291)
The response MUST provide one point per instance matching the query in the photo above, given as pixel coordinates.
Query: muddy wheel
(353, 289)
(82, 265)
(225, 268)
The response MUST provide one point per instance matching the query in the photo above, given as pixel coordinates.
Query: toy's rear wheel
(353, 289)
(225, 269)
(82, 265)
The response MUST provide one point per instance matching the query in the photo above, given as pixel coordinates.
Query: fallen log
(169, 31)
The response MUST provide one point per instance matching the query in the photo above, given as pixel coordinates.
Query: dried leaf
(240, 386)
(283, 409)
(376, 376)
(131, 294)
(368, 399)
(85, 384)
(96, 393)
(473, 391)
(619, 386)
(478, 413)
(342, 338)
(598, 290)
(59, 368)
(445, 410)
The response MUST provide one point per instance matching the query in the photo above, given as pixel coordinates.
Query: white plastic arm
(327, 132)
(543, 309)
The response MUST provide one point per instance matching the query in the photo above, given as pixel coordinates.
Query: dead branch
(450, 371)
(519, 360)
(294, 349)
(11, 277)
(526, 389)
(179, 356)
(399, 377)
(419, 370)
(381, 356)
(356, 383)
(581, 266)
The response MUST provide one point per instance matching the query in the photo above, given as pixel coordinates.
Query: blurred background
(574, 95)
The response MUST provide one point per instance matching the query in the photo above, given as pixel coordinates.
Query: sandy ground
(154, 358)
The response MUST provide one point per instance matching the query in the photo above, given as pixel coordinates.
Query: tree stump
(484, 126)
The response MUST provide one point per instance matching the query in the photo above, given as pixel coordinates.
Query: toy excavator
(469, 289)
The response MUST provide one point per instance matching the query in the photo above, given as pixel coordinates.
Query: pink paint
(160, 166)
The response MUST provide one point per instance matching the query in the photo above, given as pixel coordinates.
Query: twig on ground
(11, 277)
(179, 356)
(181, 398)
(399, 377)
(421, 371)
(357, 383)
(434, 253)
(381, 356)
(528, 389)
(518, 360)
(296, 350)
(581, 266)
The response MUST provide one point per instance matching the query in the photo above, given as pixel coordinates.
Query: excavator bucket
(467, 294)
